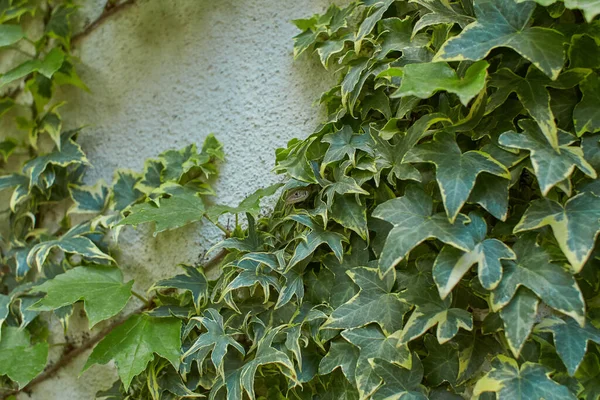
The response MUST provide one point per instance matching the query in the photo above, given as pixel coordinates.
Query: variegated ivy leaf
(376, 11)
(529, 381)
(399, 382)
(374, 303)
(102, 290)
(431, 311)
(193, 281)
(442, 362)
(552, 283)
(341, 355)
(588, 375)
(414, 222)
(217, 339)
(124, 191)
(133, 344)
(519, 316)
(265, 354)
(451, 263)
(533, 94)
(351, 214)
(585, 115)
(317, 236)
(374, 344)
(442, 12)
(73, 241)
(19, 360)
(250, 204)
(590, 8)
(89, 199)
(503, 23)
(551, 166)
(70, 153)
(396, 36)
(170, 213)
(252, 273)
(4, 309)
(151, 177)
(12, 180)
(570, 339)
(424, 79)
(456, 172)
(344, 143)
(47, 67)
(575, 225)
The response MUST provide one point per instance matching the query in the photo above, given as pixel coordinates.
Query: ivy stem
(221, 227)
(141, 297)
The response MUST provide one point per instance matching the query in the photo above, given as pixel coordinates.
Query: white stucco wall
(165, 73)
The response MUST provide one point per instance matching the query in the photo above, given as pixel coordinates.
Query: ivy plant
(434, 238)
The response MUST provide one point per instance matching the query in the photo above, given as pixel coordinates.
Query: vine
(435, 237)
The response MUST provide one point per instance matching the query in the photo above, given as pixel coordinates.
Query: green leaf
(101, 288)
(533, 94)
(74, 241)
(252, 274)
(343, 355)
(575, 225)
(441, 12)
(373, 344)
(518, 317)
(89, 199)
(551, 166)
(511, 382)
(193, 281)
(570, 339)
(550, 282)
(250, 204)
(133, 345)
(10, 34)
(423, 80)
(586, 115)
(456, 172)
(124, 191)
(47, 67)
(216, 339)
(451, 263)
(590, 8)
(4, 309)
(442, 363)
(431, 311)
(375, 14)
(19, 360)
(344, 143)
(347, 212)
(399, 382)
(505, 24)
(588, 375)
(317, 236)
(414, 222)
(374, 303)
(171, 213)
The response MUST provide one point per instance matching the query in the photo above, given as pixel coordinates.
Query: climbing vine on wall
(434, 238)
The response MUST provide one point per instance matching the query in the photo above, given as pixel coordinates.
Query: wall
(164, 74)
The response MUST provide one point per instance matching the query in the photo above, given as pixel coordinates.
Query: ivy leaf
(399, 382)
(344, 143)
(173, 212)
(423, 80)
(575, 225)
(456, 172)
(442, 362)
(217, 339)
(373, 344)
(250, 204)
(73, 241)
(585, 115)
(19, 360)
(101, 288)
(349, 213)
(551, 165)
(4, 309)
(251, 274)
(133, 345)
(47, 67)
(431, 311)
(343, 355)
(570, 339)
(505, 24)
(550, 282)
(376, 12)
(530, 381)
(414, 222)
(441, 12)
(317, 236)
(10, 34)
(588, 374)
(451, 263)
(88, 199)
(373, 303)
(124, 190)
(533, 94)
(265, 354)
(518, 317)
(193, 281)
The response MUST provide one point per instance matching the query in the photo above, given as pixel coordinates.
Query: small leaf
(19, 360)
(133, 345)
(89, 199)
(344, 143)
(193, 280)
(586, 115)
(124, 190)
(343, 355)
(250, 204)
(101, 288)
(317, 236)
(518, 317)
(399, 382)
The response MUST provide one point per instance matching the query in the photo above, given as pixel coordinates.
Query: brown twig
(108, 12)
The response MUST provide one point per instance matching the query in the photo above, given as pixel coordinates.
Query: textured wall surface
(164, 74)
